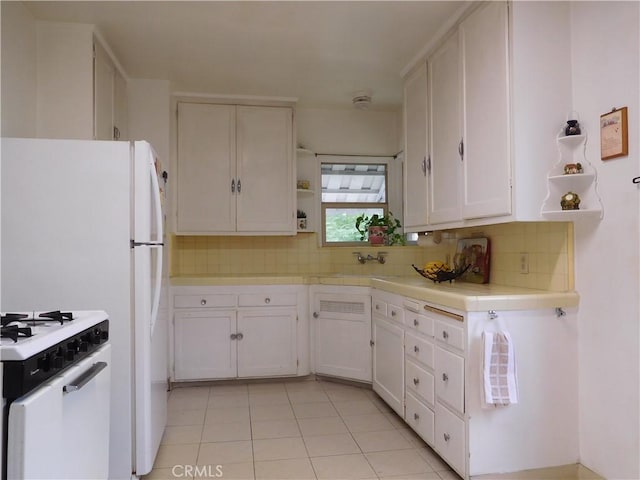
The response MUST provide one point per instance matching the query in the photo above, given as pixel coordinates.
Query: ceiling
(320, 52)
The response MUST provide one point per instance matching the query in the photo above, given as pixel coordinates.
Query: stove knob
(58, 361)
(95, 337)
(44, 363)
(104, 335)
(70, 354)
(84, 346)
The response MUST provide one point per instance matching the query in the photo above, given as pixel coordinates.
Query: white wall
(18, 71)
(605, 62)
(349, 131)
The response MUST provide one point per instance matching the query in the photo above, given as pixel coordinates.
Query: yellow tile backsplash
(549, 246)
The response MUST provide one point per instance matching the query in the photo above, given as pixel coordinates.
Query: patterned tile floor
(300, 430)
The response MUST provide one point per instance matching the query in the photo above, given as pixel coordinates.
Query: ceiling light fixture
(361, 100)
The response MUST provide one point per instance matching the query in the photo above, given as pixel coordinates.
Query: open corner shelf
(571, 150)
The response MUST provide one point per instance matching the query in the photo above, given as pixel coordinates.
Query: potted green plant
(380, 229)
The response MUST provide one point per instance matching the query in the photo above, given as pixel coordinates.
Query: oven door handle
(85, 378)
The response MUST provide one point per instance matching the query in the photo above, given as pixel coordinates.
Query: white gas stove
(55, 367)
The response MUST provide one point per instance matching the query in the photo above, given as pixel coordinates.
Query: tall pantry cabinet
(498, 91)
(81, 92)
(235, 170)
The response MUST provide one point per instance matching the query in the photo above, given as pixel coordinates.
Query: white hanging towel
(499, 370)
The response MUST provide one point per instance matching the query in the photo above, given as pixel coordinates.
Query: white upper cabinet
(235, 170)
(206, 167)
(487, 165)
(499, 89)
(445, 133)
(415, 149)
(81, 93)
(266, 183)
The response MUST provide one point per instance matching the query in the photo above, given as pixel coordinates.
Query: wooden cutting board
(475, 252)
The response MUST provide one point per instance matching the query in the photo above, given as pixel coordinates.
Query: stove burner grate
(14, 332)
(56, 315)
(12, 317)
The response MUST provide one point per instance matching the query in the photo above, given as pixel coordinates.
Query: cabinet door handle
(423, 165)
(461, 149)
(429, 164)
(239, 186)
(445, 377)
(416, 416)
(116, 133)
(445, 334)
(416, 381)
(372, 343)
(239, 336)
(447, 437)
(267, 300)
(203, 302)
(234, 336)
(416, 349)
(415, 322)
(393, 313)
(316, 314)
(233, 185)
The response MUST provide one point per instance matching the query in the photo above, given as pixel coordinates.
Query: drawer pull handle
(393, 313)
(377, 307)
(267, 300)
(415, 322)
(416, 349)
(447, 437)
(234, 336)
(445, 377)
(416, 416)
(203, 302)
(416, 381)
(445, 334)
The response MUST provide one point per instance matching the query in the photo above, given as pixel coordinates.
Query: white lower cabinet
(388, 351)
(266, 342)
(342, 331)
(451, 438)
(420, 418)
(203, 348)
(252, 333)
(443, 382)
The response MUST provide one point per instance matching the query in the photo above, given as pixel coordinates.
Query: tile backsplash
(548, 245)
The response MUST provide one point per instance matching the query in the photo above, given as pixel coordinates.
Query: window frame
(362, 160)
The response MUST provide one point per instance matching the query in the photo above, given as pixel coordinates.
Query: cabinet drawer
(420, 322)
(204, 301)
(418, 349)
(450, 378)
(419, 381)
(264, 300)
(420, 417)
(395, 313)
(450, 438)
(451, 335)
(379, 307)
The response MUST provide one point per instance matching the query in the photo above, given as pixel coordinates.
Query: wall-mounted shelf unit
(307, 171)
(572, 151)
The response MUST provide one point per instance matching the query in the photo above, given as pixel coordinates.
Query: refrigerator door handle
(155, 194)
(158, 286)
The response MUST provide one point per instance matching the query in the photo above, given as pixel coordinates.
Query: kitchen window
(351, 186)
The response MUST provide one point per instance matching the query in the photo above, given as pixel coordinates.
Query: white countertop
(464, 296)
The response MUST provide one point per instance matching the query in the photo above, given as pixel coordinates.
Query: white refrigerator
(83, 229)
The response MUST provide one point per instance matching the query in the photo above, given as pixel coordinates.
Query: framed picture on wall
(614, 134)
